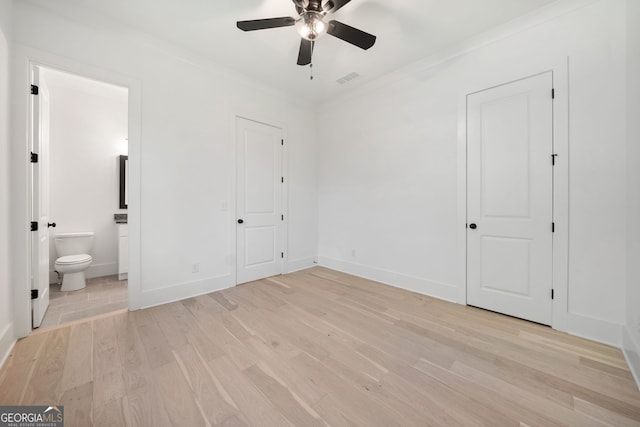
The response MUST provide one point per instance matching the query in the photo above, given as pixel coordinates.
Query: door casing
(559, 67)
(283, 193)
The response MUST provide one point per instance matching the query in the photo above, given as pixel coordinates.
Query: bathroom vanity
(123, 245)
(123, 251)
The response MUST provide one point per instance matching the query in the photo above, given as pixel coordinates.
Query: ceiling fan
(310, 25)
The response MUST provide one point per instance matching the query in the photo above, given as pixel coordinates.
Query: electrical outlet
(195, 268)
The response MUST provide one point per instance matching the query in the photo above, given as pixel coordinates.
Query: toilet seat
(74, 259)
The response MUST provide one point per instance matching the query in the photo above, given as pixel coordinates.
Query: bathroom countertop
(120, 218)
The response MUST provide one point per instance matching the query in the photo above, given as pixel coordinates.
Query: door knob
(473, 226)
(51, 224)
(240, 221)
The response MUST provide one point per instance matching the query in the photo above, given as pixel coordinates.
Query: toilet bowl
(73, 252)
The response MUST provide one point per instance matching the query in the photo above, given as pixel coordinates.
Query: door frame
(284, 203)
(24, 59)
(559, 69)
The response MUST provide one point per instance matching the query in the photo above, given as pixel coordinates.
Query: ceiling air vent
(348, 78)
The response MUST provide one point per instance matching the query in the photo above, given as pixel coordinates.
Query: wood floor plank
(80, 355)
(110, 415)
(252, 404)
(293, 408)
(19, 368)
(78, 404)
(214, 400)
(319, 347)
(177, 397)
(145, 408)
(44, 386)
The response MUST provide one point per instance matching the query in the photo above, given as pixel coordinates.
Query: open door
(39, 197)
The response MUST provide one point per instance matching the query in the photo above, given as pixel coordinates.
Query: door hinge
(282, 142)
(282, 217)
(34, 90)
(281, 254)
(34, 225)
(553, 93)
(553, 159)
(282, 179)
(34, 157)
(553, 227)
(552, 294)
(34, 294)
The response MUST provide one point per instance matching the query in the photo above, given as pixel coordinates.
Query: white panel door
(40, 198)
(259, 201)
(510, 193)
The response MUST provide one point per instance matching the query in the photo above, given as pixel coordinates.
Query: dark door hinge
(34, 157)
(282, 217)
(553, 227)
(34, 294)
(282, 142)
(34, 90)
(552, 294)
(282, 179)
(281, 254)
(34, 225)
(553, 159)
(553, 94)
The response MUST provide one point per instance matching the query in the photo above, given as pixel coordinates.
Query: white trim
(594, 329)
(24, 58)
(182, 291)
(94, 270)
(419, 285)
(631, 350)
(299, 264)
(7, 341)
(559, 69)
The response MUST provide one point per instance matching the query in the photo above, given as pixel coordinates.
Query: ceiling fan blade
(306, 49)
(351, 35)
(335, 5)
(302, 4)
(263, 24)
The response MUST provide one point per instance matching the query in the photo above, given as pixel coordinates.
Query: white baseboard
(392, 278)
(101, 270)
(7, 341)
(94, 270)
(299, 264)
(180, 291)
(595, 329)
(631, 350)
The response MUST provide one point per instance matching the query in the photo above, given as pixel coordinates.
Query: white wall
(632, 330)
(6, 312)
(388, 165)
(186, 149)
(88, 131)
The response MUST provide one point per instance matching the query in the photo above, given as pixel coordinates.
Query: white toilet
(73, 258)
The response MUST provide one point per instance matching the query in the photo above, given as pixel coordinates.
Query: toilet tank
(74, 243)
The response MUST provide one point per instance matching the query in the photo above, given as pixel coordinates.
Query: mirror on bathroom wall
(124, 177)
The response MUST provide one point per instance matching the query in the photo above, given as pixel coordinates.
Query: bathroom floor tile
(102, 295)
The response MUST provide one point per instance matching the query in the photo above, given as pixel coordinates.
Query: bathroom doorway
(80, 128)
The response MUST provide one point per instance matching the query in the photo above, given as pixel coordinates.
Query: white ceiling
(407, 31)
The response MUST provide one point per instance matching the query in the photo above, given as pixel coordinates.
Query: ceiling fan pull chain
(313, 45)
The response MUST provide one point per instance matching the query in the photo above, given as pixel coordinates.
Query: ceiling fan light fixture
(310, 26)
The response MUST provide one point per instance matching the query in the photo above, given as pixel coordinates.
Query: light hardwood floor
(319, 347)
